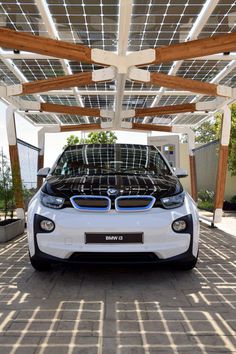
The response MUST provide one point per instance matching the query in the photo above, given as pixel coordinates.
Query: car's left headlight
(51, 201)
(173, 202)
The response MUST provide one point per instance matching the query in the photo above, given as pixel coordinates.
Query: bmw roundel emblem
(112, 191)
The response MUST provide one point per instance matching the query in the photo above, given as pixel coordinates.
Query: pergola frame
(121, 66)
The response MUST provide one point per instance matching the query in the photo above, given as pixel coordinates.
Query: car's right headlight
(174, 201)
(51, 201)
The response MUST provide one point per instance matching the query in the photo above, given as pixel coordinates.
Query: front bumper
(67, 242)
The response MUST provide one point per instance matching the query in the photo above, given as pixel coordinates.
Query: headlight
(173, 202)
(51, 201)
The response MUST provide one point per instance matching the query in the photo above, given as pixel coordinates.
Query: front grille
(89, 202)
(103, 203)
(113, 257)
(135, 202)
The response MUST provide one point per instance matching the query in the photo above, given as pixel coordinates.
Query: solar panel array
(94, 23)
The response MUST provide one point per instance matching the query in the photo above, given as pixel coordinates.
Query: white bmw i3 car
(110, 204)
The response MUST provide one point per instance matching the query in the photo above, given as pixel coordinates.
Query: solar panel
(95, 23)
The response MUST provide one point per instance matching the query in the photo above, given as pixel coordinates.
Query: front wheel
(39, 265)
(187, 265)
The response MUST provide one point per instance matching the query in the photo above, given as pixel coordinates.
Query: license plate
(132, 237)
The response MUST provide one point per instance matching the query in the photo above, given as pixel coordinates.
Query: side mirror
(180, 172)
(43, 172)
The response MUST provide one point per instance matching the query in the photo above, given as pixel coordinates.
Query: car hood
(157, 186)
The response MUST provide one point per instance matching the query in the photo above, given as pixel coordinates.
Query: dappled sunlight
(133, 309)
(146, 325)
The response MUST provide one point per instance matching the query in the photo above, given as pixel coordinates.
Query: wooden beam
(40, 165)
(193, 177)
(157, 111)
(180, 83)
(16, 176)
(59, 49)
(58, 108)
(152, 127)
(80, 127)
(221, 176)
(57, 83)
(197, 48)
(222, 164)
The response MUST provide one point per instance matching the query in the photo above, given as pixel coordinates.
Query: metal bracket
(217, 215)
(146, 56)
(126, 125)
(3, 91)
(14, 90)
(106, 114)
(104, 57)
(211, 105)
(226, 126)
(139, 74)
(30, 105)
(104, 74)
(106, 125)
(129, 113)
(122, 62)
(10, 124)
(224, 91)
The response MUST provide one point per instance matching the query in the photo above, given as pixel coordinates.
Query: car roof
(139, 146)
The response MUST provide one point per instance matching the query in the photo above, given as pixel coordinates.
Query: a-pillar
(192, 164)
(222, 164)
(41, 145)
(15, 162)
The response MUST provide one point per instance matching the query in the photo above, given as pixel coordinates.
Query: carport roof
(107, 25)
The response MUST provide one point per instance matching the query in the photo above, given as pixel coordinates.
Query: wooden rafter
(58, 108)
(59, 49)
(80, 127)
(157, 111)
(197, 48)
(135, 126)
(57, 83)
(152, 127)
(180, 83)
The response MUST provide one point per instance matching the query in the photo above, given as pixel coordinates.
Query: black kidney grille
(134, 203)
(103, 203)
(91, 203)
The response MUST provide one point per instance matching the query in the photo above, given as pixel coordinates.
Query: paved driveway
(120, 309)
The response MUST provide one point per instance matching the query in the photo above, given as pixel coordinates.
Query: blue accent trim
(131, 209)
(90, 197)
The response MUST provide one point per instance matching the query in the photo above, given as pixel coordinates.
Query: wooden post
(41, 145)
(222, 165)
(15, 163)
(192, 164)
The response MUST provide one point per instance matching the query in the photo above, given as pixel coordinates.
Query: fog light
(47, 225)
(179, 225)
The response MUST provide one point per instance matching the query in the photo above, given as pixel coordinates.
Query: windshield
(111, 159)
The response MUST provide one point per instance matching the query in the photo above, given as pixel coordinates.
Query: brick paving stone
(118, 309)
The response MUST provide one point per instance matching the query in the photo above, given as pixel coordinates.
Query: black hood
(157, 186)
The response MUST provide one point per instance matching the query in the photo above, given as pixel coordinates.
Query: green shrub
(206, 200)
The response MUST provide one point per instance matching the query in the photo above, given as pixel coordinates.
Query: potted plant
(10, 227)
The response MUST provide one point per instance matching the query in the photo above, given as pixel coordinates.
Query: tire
(188, 265)
(40, 266)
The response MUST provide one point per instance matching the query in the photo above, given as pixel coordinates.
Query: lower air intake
(115, 258)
